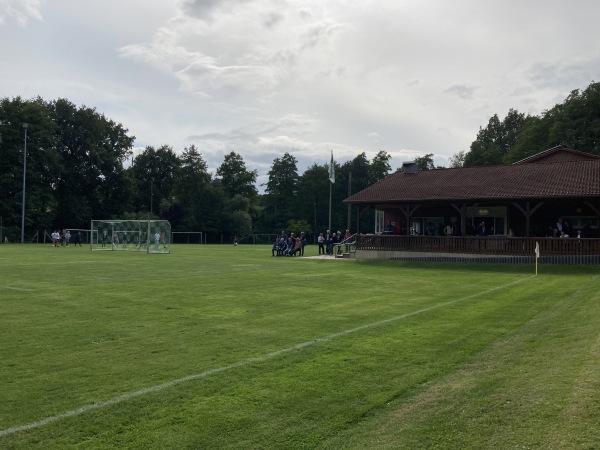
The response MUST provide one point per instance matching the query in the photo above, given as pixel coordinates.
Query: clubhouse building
(496, 213)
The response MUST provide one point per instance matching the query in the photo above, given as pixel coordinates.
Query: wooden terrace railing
(475, 245)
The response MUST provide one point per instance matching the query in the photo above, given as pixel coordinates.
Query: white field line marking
(244, 362)
(15, 288)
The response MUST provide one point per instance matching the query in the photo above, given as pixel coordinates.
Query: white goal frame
(193, 237)
(148, 236)
(85, 235)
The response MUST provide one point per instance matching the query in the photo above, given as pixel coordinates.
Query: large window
(379, 221)
(426, 226)
(495, 219)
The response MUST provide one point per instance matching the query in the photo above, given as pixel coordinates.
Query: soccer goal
(259, 239)
(188, 237)
(150, 236)
(79, 236)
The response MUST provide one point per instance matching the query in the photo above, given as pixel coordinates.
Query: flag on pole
(331, 170)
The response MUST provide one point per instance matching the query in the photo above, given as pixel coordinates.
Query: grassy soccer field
(222, 347)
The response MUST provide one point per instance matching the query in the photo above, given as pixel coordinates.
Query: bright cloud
(264, 77)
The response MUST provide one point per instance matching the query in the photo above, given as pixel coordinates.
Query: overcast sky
(264, 77)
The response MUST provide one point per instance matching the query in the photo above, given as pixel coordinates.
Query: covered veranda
(436, 214)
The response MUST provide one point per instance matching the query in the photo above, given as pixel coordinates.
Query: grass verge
(293, 352)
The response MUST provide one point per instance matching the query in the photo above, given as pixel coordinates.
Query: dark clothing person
(482, 230)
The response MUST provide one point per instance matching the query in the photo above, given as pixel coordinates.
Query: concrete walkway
(325, 257)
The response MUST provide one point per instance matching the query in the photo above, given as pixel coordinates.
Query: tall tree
(532, 139)
(425, 162)
(577, 122)
(495, 140)
(352, 176)
(42, 165)
(282, 188)
(238, 218)
(313, 197)
(380, 166)
(458, 159)
(191, 187)
(235, 178)
(574, 123)
(92, 182)
(214, 202)
(155, 172)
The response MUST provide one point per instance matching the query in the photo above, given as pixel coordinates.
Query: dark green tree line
(575, 123)
(76, 171)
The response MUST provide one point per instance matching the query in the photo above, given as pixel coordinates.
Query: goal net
(259, 239)
(150, 236)
(79, 236)
(188, 237)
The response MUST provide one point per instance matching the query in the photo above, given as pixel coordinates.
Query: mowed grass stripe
(131, 395)
(537, 387)
(76, 344)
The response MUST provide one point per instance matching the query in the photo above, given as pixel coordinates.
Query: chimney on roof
(410, 167)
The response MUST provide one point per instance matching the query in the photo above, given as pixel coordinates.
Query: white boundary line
(244, 362)
(15, 288)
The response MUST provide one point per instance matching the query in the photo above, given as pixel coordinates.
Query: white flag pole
(331, 181)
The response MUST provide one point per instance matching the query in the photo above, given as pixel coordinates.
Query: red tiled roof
(566, 179)
(557, 154)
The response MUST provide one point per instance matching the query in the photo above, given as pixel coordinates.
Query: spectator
(389, 228)
(347, 238)
(290, 245)
(321, 242)
(482, 230)
(337, 241)
(329, 243)
(560, 228)
(278, 247)
(298, 246)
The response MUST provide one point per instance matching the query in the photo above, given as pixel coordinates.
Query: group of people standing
(562, 229)
(329, 241)
(293, 244)
(63, 237)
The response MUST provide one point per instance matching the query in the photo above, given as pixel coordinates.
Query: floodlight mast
(25, 125)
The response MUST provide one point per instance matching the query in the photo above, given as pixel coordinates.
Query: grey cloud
(461, 90)
(272, 19)
(292, 125)
(564, 76)
(201, 74)
(374, 136)
(200, 9)
(320, 32)
(205, 9)
(21, 11)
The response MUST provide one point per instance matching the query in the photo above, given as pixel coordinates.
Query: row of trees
(76, 156)
(75, 173)
(574, 123)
